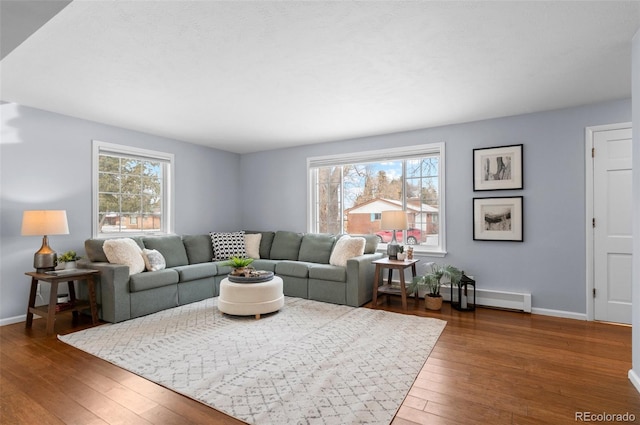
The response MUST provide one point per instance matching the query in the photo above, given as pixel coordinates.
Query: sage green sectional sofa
(301, 260)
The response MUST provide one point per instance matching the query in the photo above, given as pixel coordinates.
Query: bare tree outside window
(132, 190)
(130, 195)
(349, 198)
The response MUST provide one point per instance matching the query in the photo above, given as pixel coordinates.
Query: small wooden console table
(389, 289)
(49, 312)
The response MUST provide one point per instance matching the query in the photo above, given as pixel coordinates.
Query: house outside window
(132, 191)
(347, 194)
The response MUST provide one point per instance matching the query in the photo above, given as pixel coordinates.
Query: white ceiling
(252, 76)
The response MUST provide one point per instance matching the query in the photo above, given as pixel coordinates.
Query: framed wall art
(498, 168)
(498, 219)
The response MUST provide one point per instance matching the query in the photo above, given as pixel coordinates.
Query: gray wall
(40, 151)
(45, 163)
(550, 263)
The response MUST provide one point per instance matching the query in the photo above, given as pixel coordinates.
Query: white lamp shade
(44, 222)
(394, 220)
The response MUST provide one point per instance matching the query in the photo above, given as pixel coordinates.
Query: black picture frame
(498, 168)
(499, 218)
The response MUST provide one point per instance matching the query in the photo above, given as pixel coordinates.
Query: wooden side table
(49, 312)
(389, 289)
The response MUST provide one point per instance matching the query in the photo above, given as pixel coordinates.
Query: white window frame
(380, 155)
(168, 185)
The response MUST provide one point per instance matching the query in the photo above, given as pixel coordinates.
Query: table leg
(389, 282)
(72, 291)
(72, 297)
(32, 301)
(403, 290)
(51, 313)
(375, 286)
(91, 286)
(413, 271)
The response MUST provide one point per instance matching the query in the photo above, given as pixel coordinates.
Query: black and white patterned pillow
(227, 245)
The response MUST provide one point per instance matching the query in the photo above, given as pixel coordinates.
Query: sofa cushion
(285, 246)
(328, 272)
(265, 264)
(223, 268)
(196, 271)
(198, 247)
(371, 243)
(150, 280)
(171, 248)
(124, 251)
(293, 268)
(95, 251)
(265, 242)
(316, 247)
(153, 260)
(346, 247)
(252, 244)
(227, 245)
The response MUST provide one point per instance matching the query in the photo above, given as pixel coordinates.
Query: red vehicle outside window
(414, 236)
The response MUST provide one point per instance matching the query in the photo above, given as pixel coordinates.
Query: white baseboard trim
(498, 299)
(16, 319)
(635, 379)
(520, 301)
(559, 313)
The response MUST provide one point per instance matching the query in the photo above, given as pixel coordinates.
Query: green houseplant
(69, 258)
(240, 265)
(433, 280)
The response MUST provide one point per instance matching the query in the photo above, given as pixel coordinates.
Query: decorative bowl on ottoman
(252, 276)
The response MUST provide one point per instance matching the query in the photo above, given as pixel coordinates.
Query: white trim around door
(589, 208)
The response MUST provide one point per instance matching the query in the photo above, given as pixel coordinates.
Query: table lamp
(394, 221)
(45, 223)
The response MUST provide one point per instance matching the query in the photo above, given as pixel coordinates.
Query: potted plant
(433, 280)
(69, 258)
(401, 254)
(240, 265)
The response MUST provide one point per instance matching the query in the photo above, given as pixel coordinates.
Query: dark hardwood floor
(488, 367)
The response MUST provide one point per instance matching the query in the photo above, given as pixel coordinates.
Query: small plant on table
(68, 257)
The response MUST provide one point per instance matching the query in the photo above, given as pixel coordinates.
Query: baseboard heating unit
(520, 301)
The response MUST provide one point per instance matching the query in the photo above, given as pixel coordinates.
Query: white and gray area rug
(310, 363)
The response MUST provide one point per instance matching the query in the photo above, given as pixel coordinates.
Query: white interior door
(612, 237)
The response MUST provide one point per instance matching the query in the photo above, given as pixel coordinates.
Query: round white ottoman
(249, 299)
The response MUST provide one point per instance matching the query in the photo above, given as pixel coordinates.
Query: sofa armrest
(112, 290)
(360, 274)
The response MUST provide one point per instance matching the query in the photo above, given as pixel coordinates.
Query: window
(132, 191)
(347, 194)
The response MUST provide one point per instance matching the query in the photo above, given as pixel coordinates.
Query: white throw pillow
(345, 248)
(153, 260)
(124, 251)
(252, 244)
(227, 245)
